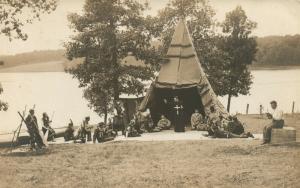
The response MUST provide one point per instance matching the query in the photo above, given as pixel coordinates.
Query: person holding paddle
(33, 130)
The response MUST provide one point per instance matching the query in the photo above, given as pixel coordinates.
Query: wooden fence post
(247, 109)
(293, 107)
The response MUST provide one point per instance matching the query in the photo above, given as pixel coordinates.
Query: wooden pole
(18, 130)
(293, 107)
(247, 109)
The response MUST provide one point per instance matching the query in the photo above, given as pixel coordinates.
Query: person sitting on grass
(197, 121)
(46, 127)
(99, 133)
(130, 130)
(164, 123)
(277, 122)
(69, 132)
(213, 121)
(81, 135)
(218, 127)
(235, 126)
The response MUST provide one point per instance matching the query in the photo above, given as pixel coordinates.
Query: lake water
(59, 92)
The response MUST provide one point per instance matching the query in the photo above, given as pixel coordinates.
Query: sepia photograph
(149, 93)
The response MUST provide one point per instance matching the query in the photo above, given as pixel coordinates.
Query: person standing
(277, 122)
(33, 130)
(178, 115)
(87, 128)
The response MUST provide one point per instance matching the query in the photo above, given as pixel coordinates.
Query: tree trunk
(228, 102)
(105, 117)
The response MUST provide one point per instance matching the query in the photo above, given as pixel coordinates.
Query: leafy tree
(14, 14)
(240, 48)
(105, 34)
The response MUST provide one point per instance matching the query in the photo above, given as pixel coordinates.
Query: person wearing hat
(276, 115)
(36, 140)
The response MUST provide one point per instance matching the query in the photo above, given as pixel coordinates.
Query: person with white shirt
(277, 122)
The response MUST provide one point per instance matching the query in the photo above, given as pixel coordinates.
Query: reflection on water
(58, 92)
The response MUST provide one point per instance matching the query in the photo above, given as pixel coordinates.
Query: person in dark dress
(178, 115)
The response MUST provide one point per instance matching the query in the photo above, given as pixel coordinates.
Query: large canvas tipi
(181, 76)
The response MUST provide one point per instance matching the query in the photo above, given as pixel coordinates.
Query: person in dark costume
(69, 132)
(46, 126)
(178, 115)
(36, 140)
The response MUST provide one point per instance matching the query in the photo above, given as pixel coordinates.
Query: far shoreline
(58, 66)
(274, 67)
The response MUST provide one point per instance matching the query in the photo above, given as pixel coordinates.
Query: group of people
(218, 126)
(84, 132)
(35, 138)
(214, 123)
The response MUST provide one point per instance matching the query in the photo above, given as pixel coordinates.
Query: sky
(274, 17)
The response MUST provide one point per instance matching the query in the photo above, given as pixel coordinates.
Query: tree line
(278, 50)
(271, 50)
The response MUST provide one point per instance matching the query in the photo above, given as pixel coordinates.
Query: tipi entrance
(163, 100)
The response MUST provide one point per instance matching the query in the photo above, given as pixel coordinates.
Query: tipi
(181, 76)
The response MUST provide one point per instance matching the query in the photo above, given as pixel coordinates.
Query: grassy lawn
(203, 163)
